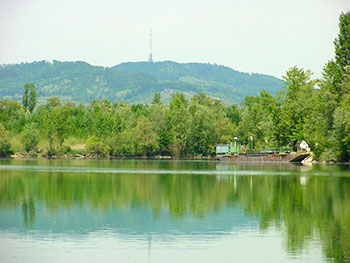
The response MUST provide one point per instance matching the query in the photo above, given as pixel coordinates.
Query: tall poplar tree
(29, 97)
(32, 99)
(342, 42)
(25, 98)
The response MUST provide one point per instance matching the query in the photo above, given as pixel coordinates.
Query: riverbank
(307, 161)
(94, 156)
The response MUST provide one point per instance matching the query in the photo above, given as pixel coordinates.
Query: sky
(258, 36)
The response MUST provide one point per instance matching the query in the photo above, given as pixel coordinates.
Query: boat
(232, 152)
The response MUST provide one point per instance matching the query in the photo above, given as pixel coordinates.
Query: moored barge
(232, 153)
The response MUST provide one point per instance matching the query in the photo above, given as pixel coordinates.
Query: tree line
(315, 110)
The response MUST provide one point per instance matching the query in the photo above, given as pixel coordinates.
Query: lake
(172, 211)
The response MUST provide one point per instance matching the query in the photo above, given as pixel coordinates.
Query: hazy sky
(264, 36)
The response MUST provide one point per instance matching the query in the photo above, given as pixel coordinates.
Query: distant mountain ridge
(131, 82)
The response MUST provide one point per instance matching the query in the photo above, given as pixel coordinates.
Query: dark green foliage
(129, 82)
(29, 97)
(156, 98)
(164, 142)
(25, 98)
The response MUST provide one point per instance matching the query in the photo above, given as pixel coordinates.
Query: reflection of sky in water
(103, 247)
(136, 235)
(138, 220)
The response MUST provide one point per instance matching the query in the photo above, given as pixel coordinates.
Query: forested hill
(212, 77)
(132, 82)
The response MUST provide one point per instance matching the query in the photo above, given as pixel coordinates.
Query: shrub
(97, 147)
(4, 141)
(30, 137)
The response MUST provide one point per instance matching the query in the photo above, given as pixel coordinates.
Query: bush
(96, 147)
(5, 144)
(16, 144)
(64, 149)
(30, 137)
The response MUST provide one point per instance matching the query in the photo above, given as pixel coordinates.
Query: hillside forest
(314, 110)
(131, 82)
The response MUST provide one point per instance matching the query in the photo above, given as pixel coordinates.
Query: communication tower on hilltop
(150, 59)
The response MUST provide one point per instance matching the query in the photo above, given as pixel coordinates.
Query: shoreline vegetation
(85, 155)
(314, 110)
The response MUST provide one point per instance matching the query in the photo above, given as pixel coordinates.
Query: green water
(172, 211)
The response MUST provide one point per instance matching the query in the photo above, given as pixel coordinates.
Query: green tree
(201, 132)
(124, 143)
(330, 132)
(101, 119)
(158, 119)
(258, 119)
(145, 138)
(296, 103)
(341, 131)
(12, 115)
(54, 101)
(233, 114)
(156, 98)
(54, 123)
(178, 123)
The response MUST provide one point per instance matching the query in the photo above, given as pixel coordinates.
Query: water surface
(172, 211)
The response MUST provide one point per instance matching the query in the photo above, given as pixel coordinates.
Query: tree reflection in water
(303, 206)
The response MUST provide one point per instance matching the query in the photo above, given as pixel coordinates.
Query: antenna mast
(150, 47)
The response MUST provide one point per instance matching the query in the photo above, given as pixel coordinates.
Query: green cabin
(228, 149)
